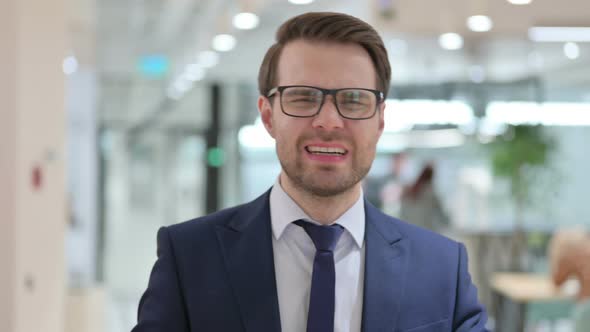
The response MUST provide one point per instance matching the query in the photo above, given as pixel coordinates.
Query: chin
(325, 191)
(329, 189)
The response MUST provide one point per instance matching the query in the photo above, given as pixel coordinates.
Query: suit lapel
(386, 259)
(248, 254)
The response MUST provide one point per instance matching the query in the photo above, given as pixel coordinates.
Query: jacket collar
(246, 242)
(386, 261)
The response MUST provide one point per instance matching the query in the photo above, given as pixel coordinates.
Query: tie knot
(324, 237)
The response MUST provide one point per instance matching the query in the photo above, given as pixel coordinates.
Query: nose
(328, 118)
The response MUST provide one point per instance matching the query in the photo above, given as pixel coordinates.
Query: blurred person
(421, 206)
(391, 192)
(384, 191)
(311, 254)
(569, 255)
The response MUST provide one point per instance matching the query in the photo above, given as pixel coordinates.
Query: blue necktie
(320, 316)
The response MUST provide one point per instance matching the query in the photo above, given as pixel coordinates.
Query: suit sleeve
(162, 306)
(469, 314)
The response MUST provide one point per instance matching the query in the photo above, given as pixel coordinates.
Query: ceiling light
(179, 88)
(559, 34)
(548, 114)
(520, 2)
(224, 42)
(411, 112)
(70, 65)
(450, 41)
(182, 84)
(245, 21)
(571, 50)
(488, 128)
(208, 59)
(301, 2)
(479, 23)
(420, 139)
(194, 72)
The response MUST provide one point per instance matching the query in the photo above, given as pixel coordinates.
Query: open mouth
(326, 151)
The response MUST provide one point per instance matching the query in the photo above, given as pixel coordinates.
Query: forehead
(326, 64)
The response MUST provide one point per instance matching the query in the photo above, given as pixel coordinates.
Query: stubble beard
(324, 181)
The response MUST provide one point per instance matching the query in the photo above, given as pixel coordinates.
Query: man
(268, 265)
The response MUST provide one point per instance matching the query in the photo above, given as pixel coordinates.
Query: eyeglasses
(302, 101)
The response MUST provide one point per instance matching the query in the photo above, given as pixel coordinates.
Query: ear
(381, 118)
(265, 110)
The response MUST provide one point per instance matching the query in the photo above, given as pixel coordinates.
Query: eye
(302, 99)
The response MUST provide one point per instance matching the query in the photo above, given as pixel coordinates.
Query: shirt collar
(284, 211)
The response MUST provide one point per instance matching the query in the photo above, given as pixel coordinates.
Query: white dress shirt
(294, 253)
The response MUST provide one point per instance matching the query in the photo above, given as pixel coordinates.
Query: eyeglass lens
(306, 101)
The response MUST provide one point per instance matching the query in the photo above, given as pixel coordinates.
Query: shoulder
(204, 223)
(432, 254)
(422, 242)
(203, 228)
(415, 232)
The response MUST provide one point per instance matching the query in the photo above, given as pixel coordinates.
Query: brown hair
(326, 27)
(425, 179)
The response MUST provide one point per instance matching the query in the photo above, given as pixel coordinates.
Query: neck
(324, 210)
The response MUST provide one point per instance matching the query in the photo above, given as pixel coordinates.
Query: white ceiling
(112, 34)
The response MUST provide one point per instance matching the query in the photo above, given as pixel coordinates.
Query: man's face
(299, 140)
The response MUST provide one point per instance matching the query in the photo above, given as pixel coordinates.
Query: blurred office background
(119, 117)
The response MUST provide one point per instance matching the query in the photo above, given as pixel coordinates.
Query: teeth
(318, 149)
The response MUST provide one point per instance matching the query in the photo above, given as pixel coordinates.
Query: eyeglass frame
(332, 92)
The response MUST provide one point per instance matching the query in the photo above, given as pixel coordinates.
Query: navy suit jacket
(216, 273)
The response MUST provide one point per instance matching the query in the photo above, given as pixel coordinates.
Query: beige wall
(32, 131)
(7, 164)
